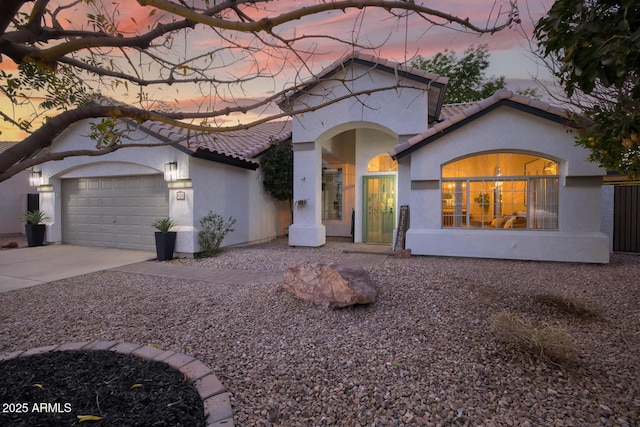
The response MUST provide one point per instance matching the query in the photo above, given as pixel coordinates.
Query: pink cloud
(372, 26)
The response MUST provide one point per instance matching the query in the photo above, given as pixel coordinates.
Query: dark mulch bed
(55, 388)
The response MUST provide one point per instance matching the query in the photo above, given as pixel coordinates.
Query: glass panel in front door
(379, 204)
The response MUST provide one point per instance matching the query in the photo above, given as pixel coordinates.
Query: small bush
(164, 225)
(547, 342)
(567, 304)
(213, 229)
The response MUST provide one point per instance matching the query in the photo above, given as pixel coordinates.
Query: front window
(382, 163)
(332, 194)
(500, 190)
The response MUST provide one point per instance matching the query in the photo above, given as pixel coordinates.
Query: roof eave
(395, 69)
(408, 148)
(201, 153)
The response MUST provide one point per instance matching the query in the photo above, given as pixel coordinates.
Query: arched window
(382, 163)
(500, 190)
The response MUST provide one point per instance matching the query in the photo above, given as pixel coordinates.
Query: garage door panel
(136, 220)
(93, 184)
(95, 236)
(152, 202)
(95, 220)
(134, 202)
(115, 211)
(121, 201)
(122, 220)
(135, 184)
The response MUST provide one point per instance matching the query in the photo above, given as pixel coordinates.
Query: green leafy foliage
(35, 217)
(277, 170)
(595, 40)
(59, 86)
(611, 135)
(467, 79)
(597, 44)
(213, 229)
(164, 225)
(105, 133)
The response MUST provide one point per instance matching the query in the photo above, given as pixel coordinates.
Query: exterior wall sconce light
(171, 171)
(35, 178)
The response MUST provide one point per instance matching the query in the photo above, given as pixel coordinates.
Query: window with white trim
(500, 191)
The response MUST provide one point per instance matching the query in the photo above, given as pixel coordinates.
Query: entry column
(307, 228)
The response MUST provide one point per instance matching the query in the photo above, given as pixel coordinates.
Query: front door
(379, 209)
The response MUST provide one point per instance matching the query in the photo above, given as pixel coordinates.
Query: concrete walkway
(219, 275)
(24, 267)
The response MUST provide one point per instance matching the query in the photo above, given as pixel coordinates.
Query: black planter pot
(165, 245)
(35, 234)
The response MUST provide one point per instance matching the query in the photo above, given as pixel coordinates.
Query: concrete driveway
(24, 267)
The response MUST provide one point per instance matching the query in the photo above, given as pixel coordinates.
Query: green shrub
(545, 341)
(213, 228)
(35, 217)
(164, 225)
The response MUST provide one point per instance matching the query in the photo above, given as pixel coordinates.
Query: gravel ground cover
(424, 354)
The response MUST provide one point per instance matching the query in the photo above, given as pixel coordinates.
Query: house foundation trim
(510, 244)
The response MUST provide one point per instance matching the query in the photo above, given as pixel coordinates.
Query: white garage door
(113, 211)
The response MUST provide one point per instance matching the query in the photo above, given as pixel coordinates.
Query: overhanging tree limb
(267, 24)
(63, 62)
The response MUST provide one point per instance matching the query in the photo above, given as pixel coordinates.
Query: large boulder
(330, 285)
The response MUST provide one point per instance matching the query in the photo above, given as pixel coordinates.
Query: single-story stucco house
(501, 178)
(112, 200)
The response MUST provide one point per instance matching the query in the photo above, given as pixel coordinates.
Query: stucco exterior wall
(227, 190)
(13, 193)
(578, 237)
(606, 222)
(374, 108)
(233, 192)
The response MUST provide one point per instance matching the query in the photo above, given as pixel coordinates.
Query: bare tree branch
(63, 63)
(267, 24)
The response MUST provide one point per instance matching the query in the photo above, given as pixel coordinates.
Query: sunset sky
(398, 40)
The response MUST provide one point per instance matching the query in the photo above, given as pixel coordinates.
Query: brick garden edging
(215, 399)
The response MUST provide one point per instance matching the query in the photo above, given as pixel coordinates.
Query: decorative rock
(330, 285)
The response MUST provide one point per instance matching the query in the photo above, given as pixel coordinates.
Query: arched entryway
(359, 183)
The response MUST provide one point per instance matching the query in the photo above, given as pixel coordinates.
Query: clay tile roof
(245, 143)
(450, 110)
(455, 113)
(239, 145)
